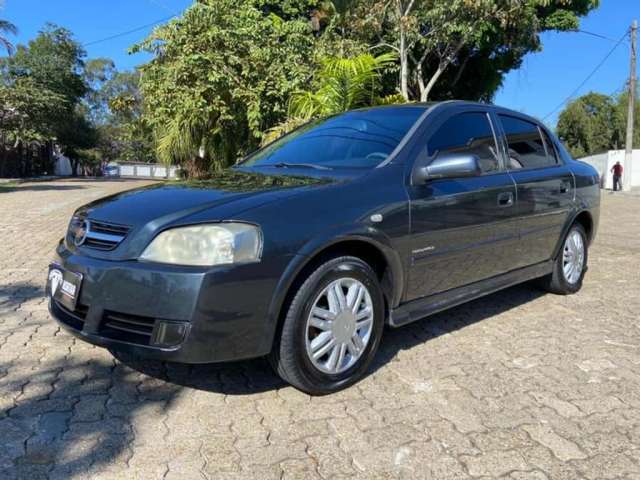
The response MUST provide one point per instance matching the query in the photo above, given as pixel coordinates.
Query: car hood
(172, 201)
(147, 210)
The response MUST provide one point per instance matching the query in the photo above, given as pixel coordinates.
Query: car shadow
(14, 294)
(451, 320)
(256, 376)
(70, 415)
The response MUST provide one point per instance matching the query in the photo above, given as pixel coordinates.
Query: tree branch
(384, 44)
(409, 7)
(460, 70)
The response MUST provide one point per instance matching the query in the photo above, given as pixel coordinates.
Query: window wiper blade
(297, 165)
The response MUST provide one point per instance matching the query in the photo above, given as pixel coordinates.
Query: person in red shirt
(617, 176)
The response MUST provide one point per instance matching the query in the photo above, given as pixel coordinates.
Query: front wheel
(571, 264)
(332, 327)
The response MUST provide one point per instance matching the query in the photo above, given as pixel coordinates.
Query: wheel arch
(584, 218)
(377, 252)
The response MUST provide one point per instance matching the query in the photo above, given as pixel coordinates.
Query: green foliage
(44, 82)
(29, 113)
(222, 75)
(116, 109)
(595, 123)
(342, 84)
(53, 60)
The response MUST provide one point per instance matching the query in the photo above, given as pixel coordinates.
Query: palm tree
(343, 84)
(7, 27)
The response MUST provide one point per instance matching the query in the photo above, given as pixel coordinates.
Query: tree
(448, 42)
(98, 73)
(115, 108)
(53, 63)
(595, 123)
(28, 113)
(54, 60)
(28, 118)
(222, 75)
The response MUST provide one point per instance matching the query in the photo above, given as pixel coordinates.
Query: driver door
(463, 230)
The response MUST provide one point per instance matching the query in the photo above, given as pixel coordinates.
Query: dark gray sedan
(307, 248)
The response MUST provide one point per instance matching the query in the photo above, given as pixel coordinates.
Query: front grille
(104, 236)
(74, 319)
(127, 328)
(108, 228)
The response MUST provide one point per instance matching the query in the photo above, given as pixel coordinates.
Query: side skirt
(423, 307)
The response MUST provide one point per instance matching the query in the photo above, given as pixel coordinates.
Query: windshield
(357, 139)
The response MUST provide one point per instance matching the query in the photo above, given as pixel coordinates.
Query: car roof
(457, 103)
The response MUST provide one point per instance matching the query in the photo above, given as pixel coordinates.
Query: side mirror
(449, 165)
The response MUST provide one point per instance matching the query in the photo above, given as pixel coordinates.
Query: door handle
(564, 187)
(505, 199)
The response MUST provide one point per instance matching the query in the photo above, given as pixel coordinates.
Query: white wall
(62, 166)
(147, 170)
(603, 162)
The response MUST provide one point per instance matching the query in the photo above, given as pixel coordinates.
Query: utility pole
(628, 157)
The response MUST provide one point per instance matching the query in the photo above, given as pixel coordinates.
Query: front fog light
(168, 334)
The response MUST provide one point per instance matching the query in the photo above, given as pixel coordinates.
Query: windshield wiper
(297, 165)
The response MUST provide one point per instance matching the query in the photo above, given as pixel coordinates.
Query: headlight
(218, 244)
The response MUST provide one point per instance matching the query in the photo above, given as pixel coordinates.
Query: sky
(543, 82)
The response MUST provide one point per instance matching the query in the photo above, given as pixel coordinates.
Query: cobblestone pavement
(517, 385)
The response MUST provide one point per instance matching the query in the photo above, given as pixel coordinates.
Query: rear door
(545, 187)
(462, 229)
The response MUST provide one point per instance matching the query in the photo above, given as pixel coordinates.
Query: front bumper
(173, 313)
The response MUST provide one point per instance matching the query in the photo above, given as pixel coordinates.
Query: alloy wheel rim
(573, 257)
(339, 326)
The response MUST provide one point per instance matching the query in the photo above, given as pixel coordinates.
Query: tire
(292, 355)
(558, 281)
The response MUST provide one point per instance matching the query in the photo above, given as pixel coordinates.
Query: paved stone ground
(517, 385)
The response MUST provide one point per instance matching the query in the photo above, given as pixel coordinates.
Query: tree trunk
(424, 93)
(420, 78)
(404, 65)
(460, 70)
(3, 157)
(442, 66)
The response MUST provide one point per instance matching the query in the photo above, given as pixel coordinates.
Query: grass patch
(8, 186)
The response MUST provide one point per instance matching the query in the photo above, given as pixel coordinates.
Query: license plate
(64, 286)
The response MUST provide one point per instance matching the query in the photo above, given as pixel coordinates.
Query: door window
(551, 151)
(527, 149)
(467, 133)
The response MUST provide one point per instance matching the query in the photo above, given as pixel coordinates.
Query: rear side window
(527, 148)
(467, 133)
(551, 151)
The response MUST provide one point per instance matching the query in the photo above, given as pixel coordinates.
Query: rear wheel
(571, 264)
(332, 327)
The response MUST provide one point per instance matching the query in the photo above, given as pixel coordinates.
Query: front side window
(469, 133)
(527, 149)
(356, 139)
